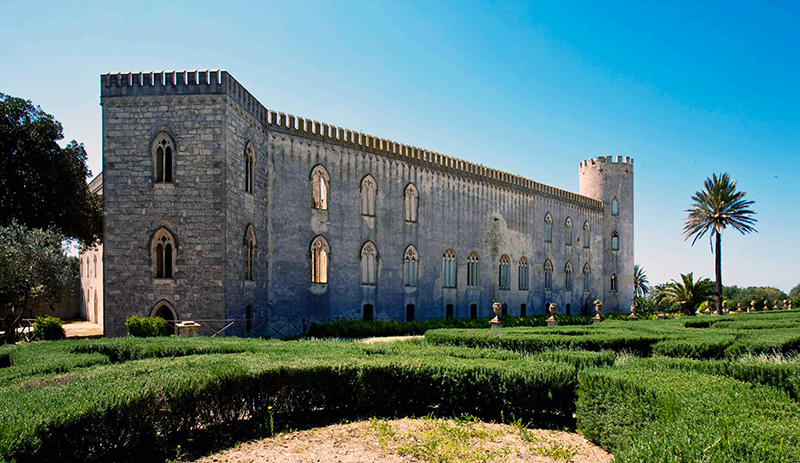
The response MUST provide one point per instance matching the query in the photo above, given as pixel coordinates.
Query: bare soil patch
(416, 440)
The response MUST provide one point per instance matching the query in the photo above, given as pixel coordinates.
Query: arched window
(410, 261)
(249, 167)
(163, 153)
(505, 272)
(163, 249)
(614, 207)
(249, 253)
(411, 202)
(568, 279)
(449, 268)
(164, 310)
(587, 235)
(95, 266)
(548, 275)
(473, 270)
(548, 228)
(523, 273)
(369, 261)
(368, 190)
(319, 186)
(614, 282)
(320, 253)
(615, 241)
(568, 232)
(586, 274)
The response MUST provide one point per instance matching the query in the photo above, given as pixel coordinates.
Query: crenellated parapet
(601, 160)
(220, 82)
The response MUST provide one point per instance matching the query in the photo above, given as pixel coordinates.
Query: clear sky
(685, 89)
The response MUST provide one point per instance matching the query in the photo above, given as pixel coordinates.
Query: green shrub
(643, 415)
(48, 328)
(705, 346)
(777, 341)
(146, 327)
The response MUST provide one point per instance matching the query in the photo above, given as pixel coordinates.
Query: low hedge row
(706, 346)
(122, 411)
(372, 328)
(642, 415)
(777, 341)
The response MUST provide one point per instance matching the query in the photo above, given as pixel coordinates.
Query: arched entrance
(165, 311)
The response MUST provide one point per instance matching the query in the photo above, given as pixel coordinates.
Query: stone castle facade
(217, 208)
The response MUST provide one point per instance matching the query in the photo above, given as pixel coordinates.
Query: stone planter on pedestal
(495, 322)
(633, 316)
(552, 320)
(598, 307)
(738, 307)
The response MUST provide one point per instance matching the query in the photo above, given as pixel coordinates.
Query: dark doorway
(504, 309)
(523, 310)
(448, 311)
(369, 312)
(473, 311)
(248, 319)
(568, 309)
(410, 313)
(164, 311)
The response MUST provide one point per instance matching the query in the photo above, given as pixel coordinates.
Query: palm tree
(688, 293)
(715, 207)
(641, 285)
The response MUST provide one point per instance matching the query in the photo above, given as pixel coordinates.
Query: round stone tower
(611, 181)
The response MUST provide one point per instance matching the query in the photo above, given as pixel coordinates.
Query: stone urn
(724, 307)
(552, 321)
(790, 305)
(708, 309)
(495, 322)
(766, 304)
(661, 315)
(775, 305)
(785, 304)
(598, 307)
(738, 307)
(633, 316)
(752, 307)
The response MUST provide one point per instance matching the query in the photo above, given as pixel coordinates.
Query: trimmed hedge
(48, 328)
(706, 346)
(146, 327)
(650, 416)
(778, 341)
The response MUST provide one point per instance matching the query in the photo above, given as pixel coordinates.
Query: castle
(216, 207)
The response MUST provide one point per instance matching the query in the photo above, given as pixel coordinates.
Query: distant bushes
(48, 328)
(146, 327)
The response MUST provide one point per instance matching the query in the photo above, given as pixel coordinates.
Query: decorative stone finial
(495, 322)
(752, 307)
(552, 321)
(738, 307)
(775, 306)
(633, 316)
(785, 304)
(708, 308)
(766, 304)
(724, 306)
(598, 307)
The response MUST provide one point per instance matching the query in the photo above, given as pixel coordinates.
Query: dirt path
(390, 339)
(416, 440)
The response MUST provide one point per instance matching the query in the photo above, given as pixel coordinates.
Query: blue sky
(532, 88)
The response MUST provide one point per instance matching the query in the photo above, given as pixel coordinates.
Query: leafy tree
(32, 265)
(687, 293)
(641, 285)
(795, 291)
(41, 184)
(758, 294)
(716, 207)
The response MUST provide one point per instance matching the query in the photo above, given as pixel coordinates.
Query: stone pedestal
(551, 322)
(495, 322)
(188, 329)
(661, 315)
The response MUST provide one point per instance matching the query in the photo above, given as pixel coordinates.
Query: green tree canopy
(717, 206)
(795, 291)
(687, 293)
(41, 184)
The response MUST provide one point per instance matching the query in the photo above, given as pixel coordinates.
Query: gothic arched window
(568, 277)
(505, 272)
(473, 270)
(548, 228)
(614, 206)
(449, 268)
(410, 262)
(586, 274)
(615, 241)
(320, 255)
(587, 234)
(523, 273)
(568, 232)
(369, 261)
(164, 157)
(249, 253)
(319, 185)
(548, 275)
(368, 189)
(163, 249)
(411, 203)
(249, 167)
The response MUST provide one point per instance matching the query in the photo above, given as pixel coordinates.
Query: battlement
(607, 160)
(220, 82)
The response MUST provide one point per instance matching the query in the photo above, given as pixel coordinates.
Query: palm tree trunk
(719, 273)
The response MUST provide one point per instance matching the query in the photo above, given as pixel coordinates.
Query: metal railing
(252, 328)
